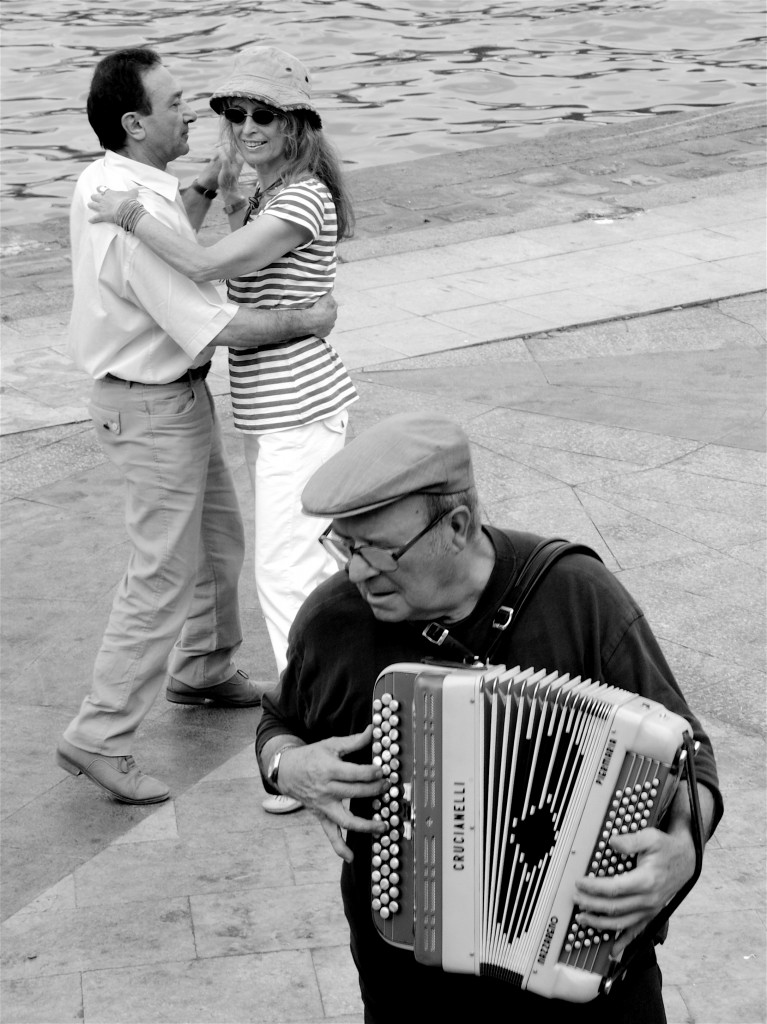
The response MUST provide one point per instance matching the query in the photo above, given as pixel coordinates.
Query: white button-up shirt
(133, 315)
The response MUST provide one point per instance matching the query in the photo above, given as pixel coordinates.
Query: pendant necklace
(255, 200)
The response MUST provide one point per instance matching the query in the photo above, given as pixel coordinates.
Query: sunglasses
(236, 115)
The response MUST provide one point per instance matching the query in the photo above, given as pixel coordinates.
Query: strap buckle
(435, 633)
(502, 619)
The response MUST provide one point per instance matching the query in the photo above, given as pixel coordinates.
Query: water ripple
(394, 81)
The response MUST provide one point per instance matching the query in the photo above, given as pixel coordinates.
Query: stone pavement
(591, 307)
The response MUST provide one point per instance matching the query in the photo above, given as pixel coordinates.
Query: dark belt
(194, 373)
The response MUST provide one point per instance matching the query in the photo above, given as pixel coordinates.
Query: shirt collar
(164, 184)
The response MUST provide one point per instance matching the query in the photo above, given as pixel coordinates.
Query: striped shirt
(277, 387)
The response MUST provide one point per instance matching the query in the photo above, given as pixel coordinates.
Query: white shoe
(279, 804)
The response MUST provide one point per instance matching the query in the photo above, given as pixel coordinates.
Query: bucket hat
(272, 76)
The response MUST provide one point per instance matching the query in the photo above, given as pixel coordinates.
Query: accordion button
(386, 698)
(385, 913)
(394, 907)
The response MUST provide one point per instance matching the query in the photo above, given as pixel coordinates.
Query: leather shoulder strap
(516, 596)
(543, 556)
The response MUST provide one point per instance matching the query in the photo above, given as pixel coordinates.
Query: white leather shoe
(279, 804)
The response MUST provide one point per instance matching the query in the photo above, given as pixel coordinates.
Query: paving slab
(591, 307)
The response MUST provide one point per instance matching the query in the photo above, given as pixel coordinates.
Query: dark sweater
(580, 621)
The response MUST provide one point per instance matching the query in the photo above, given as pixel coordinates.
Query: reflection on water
(394, 81)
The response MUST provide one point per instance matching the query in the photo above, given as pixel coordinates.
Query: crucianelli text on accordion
(505, 787)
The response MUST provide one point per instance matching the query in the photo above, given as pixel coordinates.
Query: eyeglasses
(381, 559)
(236, 115)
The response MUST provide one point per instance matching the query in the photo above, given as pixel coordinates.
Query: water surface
(394, 81)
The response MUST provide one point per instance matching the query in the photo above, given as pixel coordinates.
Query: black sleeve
(333, 661)
(638, 658)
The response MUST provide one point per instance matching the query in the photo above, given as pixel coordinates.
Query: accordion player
(505, 788)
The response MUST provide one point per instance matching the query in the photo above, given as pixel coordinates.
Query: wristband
(238, 204)
(209, 193)
(128, 214)
(272, 771)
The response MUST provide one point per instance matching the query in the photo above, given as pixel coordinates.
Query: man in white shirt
(146, 333)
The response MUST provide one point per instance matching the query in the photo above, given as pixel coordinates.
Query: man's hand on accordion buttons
(318, 776)
(626, 903)
(664, 862)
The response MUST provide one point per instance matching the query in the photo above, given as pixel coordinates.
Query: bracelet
(128, 214)
(209, 193)
(238, 204)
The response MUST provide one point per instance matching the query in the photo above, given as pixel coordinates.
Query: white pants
(290, 562)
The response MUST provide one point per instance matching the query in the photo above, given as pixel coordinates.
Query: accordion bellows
(505, 789)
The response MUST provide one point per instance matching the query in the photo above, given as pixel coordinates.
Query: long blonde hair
(308, 153)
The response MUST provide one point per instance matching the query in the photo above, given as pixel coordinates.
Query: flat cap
(411, 453)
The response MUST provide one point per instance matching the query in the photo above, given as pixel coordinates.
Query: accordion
(505, 788)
